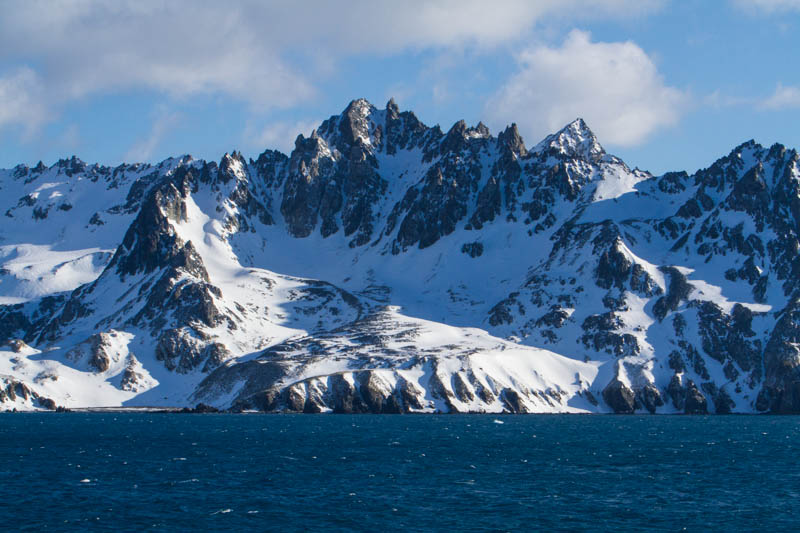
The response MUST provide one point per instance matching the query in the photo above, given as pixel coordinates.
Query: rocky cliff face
(388, 266)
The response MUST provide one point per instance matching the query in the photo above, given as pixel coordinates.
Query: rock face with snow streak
(387, 266)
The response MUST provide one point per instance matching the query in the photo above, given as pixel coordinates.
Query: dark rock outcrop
(12, 390)
(619, 397)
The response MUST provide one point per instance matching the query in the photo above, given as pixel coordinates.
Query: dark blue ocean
(134, 472)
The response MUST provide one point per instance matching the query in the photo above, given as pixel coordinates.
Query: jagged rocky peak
(460, 136)
(510, 139)
(269, 161)
(726, 170)
(333, 177)
(71, 166)
(232, 166)
(363, 128)
(151, 241)
(573, 140)
(308, 149)
(357, 124)
(748, 148)
(392, 110)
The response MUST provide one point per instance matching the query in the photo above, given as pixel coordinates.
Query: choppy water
(73, 472)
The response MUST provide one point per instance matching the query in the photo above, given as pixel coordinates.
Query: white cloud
(615, 87)
(768, 6)
(178, 48)
(278, 135)
(719, 100)
(784, 97)
(366, 25)
(268, 54)
(143, 150)
(21, 101)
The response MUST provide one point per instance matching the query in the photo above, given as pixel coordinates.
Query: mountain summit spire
(574, 139)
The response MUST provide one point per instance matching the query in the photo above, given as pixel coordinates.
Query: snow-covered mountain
(387, 266)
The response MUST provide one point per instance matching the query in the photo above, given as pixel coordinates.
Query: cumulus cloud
(380, 26)
(615, 87)
(179, 48)
(784, 97)
(21, 101)
(268, 54)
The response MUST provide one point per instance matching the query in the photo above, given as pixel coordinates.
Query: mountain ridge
(387, 266)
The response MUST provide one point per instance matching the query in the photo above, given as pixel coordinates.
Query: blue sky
(666, 85)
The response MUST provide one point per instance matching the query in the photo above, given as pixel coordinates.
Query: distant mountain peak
(349, 127)
(360, 104)
(392, 108)
(575, 139)
(511, 138)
